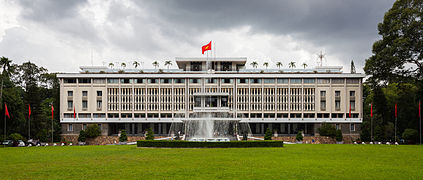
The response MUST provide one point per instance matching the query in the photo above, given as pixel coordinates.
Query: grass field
(301, 161)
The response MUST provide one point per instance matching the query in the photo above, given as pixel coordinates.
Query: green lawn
(291, 162)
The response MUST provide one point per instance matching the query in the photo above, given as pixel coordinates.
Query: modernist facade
(286, 100)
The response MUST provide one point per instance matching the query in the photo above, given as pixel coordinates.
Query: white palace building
(284, 100)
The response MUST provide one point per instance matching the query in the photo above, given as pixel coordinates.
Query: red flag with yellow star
(206, 47)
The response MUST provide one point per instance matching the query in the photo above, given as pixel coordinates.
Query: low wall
(100, 140)
(348, 139)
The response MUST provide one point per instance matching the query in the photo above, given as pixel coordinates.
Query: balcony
(211, 94)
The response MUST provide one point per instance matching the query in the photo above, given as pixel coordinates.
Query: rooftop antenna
(321, 56)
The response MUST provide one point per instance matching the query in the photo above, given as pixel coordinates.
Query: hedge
(196, 144)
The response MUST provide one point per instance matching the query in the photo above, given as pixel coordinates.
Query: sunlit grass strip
(194, 144)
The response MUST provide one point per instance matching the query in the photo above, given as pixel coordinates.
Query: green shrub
(123, 137)
(92, 131)
(16, 137)
(150, 134)
(82, 136)
(299, 136)
(339, 135)
(268, 134)
(327, 130)
(194, 144)
(410, 135)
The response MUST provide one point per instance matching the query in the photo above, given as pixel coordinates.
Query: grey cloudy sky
(63, 35)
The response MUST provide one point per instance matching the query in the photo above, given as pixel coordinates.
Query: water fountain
(209, 125)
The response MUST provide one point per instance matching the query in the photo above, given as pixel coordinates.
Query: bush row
(194, 144)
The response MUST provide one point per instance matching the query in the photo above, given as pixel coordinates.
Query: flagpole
(420, 117)
(396, 117)
(29, 127)
(52, 125)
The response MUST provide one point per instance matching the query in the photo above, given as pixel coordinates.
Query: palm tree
(266, 64)
(136, 64)
(5, 64)
(292, 65)
(123, 65)
(111, 65)
(168, 63)
(254, 64)
(279, 64)
(155, 64)
(304, 65)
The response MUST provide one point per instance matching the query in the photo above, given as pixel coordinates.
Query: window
(295, 81)
(179, 81)
(70, 93)
(126, 81)
(352, 104)
(69, 80)
(152, 81)
(337, 105)
(84, 81)
(211, 81)
(68, 115)
(84, 126)
(323, 81)
(70, 127)
(99, 93)
(113, 81)
(99, 104)
(283, 81)
(337, 93)
(323, 105)
(269, 81)
(352, 93)
(70, 104)
(309, 81)
(99, 115)
(256, 81)
(352, 127)
(227, 80)
(353, 81)
(226, 66)
(337, 126)
(165, 81)
(337, 81)
(243, 81)
(85, 93)
(84, 115)
(84, 104)
(99, 81)
(194, 81)
(197, 102)
(139, 81)
(196, 66)
(322, 94)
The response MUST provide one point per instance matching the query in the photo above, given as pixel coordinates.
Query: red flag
(29, 111)
(52, 111)
(396, 113)
(206, 47)
(6, 112)
(350, 110)
(74, 113)
(371, 110)
(419, 109)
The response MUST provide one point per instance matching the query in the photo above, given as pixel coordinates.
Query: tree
(111, 65)
(93, 131)
(268, 134)
(299, 136)
(279, 64)
(304, 65)
(123, 65)
(150, 134)
(266, 64)
(82, 136)
(410, 135)
(16, 137)
(291, 65)
(339, 135)
(327, 130)
(123, 137)
(254, 64)
(136, 64)
(155, 64)
(398, 55)
(352, 68)
(168, 63)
